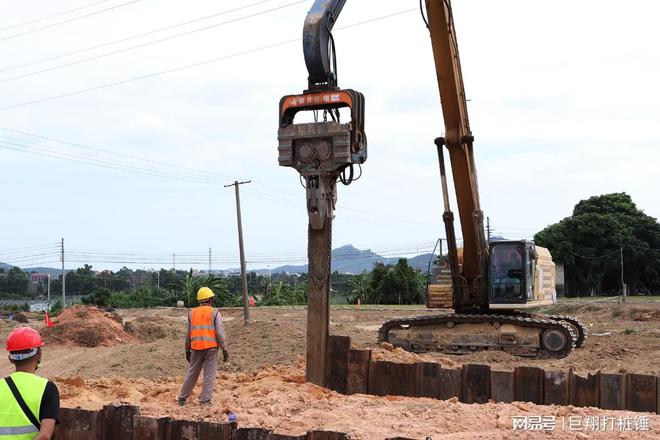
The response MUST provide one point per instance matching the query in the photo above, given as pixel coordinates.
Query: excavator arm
(470, 285)
(318, 44)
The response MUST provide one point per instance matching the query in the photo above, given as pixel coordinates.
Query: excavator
(493, 284)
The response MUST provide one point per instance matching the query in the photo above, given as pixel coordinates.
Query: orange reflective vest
(202, 328)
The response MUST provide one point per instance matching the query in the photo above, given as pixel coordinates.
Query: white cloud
(563, 104)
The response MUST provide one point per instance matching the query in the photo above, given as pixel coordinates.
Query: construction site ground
(264, 380)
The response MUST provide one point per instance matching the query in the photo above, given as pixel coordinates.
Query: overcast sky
(563, 105)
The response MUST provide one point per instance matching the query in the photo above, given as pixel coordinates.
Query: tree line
(603, 234)
(393, 284)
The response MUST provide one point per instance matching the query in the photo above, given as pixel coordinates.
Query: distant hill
(345, 259)
(49, 270)
(349, 259)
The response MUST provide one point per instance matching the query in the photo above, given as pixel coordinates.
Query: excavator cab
(521, 275)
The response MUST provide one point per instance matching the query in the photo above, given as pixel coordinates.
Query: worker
(29, 404)
(205, 332)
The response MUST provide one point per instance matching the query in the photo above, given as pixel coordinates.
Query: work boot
(181, 401)
(207, 403)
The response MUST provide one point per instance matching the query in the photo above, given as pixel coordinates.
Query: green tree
(99, 298)
(223, 297)
(120, 280)
(398, 284)
(588, 243)
(285, 295)
(15, 281)
(82, 281)
(358, 288)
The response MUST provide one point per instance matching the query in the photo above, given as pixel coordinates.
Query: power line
(152, 171)
(641, 248)
(149, 75)
(69, 20)
(149, 43)
(189, 66)
(595, 257)
(41, 152)
(24, 248)
(132, 37)
(114, 153)
(52, 15)
(192, 175)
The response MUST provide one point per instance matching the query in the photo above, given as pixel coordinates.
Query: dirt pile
(277, 398)
(643, 314)
(386, 352)
(153, 328)
(86, 327)
(19, 317)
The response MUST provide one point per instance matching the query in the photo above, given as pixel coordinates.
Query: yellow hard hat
(204, 293)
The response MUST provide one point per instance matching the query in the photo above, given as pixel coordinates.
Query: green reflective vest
(14, 424)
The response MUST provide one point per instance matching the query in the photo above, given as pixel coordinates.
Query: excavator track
(555, 338)
(582, 328)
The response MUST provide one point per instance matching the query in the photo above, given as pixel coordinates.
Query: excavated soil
(624, 338)
(276, 397)
(85, 326)
(146, 369)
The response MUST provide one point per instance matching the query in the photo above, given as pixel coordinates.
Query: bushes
(397, 284)
(99, 298)
(24, 307)
(284, 295)
(142, 297)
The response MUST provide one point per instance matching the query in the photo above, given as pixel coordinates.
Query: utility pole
(158, 279)
(63, 278)
(209, 261)
(48, 302)
(623, 286)
(246, 310)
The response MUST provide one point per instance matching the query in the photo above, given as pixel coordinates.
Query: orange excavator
(493, 284)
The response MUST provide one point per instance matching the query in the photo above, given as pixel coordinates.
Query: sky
(563, 104)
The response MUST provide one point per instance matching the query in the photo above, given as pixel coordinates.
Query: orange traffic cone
(49, 323)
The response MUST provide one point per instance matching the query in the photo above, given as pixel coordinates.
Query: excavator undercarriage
(521, 334)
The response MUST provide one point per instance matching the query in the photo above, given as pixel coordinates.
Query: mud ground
(262, 382)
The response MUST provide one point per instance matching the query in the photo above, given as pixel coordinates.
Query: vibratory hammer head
(321, 151)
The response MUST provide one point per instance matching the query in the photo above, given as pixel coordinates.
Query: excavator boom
(470, 286)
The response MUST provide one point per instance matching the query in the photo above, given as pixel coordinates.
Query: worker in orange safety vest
(205, 333)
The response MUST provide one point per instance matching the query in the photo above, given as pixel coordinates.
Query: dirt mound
(643, 314)
(19, 317)
(387, 352)
(86, 327)
(153, 328)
